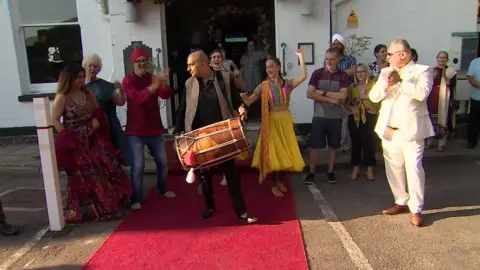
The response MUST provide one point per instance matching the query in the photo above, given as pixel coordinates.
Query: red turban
(137, 53)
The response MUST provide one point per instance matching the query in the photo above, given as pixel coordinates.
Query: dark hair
(414, 55)
(67, 76)
(334, 50)
(277, 61)
(378, 48)
(220, 51)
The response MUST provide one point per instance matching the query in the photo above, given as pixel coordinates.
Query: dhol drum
(171, 150)
(212, 144)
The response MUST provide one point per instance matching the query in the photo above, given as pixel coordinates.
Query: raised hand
(299, 53)
(163, 75)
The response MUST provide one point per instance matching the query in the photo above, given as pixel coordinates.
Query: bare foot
(282, 187)
(276, 192)
(169, 194)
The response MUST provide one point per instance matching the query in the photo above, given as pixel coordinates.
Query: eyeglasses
(392, 54)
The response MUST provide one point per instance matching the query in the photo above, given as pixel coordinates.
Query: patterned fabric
(374, 69)
(97, 185)
(347, 62)
(433, 102)
(276, 149)
(278, 95)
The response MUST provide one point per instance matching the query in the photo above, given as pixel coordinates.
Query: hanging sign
(352, 20)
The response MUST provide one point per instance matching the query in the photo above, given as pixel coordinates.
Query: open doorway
(193, 24)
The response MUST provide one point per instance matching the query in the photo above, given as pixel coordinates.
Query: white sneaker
(169, 194)
(136, 206)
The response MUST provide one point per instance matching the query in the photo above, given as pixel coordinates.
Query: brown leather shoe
(416, 219)
(395, 209)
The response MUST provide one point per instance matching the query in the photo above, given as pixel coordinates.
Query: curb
(341, 162)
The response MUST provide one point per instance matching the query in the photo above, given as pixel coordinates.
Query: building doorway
(239, 21)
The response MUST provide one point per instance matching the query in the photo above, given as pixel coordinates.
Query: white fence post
(46, 143)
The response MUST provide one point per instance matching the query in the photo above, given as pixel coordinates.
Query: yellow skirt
(283, 151)
(243, 156)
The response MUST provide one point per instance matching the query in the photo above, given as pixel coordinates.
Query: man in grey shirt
(328, 88)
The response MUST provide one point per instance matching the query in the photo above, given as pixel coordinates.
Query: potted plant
(131, 10)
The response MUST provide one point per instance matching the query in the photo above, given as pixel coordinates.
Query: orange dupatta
(265, 131)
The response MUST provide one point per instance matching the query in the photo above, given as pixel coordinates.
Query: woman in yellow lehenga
(277, 150)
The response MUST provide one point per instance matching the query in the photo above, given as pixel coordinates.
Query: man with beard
(210, 97)
(348, 64)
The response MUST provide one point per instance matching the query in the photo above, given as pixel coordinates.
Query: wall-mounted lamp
(102, 6)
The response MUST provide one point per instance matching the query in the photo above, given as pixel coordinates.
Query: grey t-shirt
(329, 82)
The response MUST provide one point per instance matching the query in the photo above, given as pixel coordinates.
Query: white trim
(47, 24)
(355, 253)
(28, 88)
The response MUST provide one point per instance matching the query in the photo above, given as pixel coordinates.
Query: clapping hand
(163, 75)
(394, 78)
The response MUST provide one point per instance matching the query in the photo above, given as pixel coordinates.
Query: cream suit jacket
(409, 99)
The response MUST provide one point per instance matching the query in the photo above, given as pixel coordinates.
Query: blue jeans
(156, 146)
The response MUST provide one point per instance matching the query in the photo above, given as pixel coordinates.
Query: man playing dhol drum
(210, 98)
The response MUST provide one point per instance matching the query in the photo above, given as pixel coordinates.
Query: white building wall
(12, 112)
(427, 24)
(293, 28)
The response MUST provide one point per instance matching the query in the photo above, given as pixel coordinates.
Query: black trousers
(2, 214)
(363, 140)
(473, 122)
(234, 186)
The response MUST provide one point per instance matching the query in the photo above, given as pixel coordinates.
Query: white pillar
(43, 120)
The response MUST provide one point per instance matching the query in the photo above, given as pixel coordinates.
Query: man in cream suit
(403, 125)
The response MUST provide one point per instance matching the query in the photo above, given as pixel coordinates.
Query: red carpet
(168, 234)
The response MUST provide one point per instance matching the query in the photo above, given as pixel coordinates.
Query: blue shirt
(474, 71)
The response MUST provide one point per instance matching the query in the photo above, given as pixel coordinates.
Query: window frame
(29, 88)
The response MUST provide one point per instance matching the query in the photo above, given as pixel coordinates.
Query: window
(50, 33)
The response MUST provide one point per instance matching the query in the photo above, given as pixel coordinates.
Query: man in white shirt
(403, 125)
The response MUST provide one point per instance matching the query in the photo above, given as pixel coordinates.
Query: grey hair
(444, 52)
(92, 58)
(404, 43)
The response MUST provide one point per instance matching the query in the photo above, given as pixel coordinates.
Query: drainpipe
(333, 14)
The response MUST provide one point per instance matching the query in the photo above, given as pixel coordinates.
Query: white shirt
(395, 115)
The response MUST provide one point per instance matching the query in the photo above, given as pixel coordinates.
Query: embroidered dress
(277, 148)
(97, 184)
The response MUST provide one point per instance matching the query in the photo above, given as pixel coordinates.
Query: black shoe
(309, 179)
(331, 178)
(207, 213)
(8, 230)
(471, 146)
(248, 219)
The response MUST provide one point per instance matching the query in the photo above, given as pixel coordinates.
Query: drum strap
(223, 87)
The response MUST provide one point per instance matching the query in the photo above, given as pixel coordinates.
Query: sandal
(369, 177)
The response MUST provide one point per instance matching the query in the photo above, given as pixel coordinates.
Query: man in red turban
(144, 124)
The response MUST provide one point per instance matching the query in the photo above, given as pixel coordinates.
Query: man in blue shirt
(473, 76)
